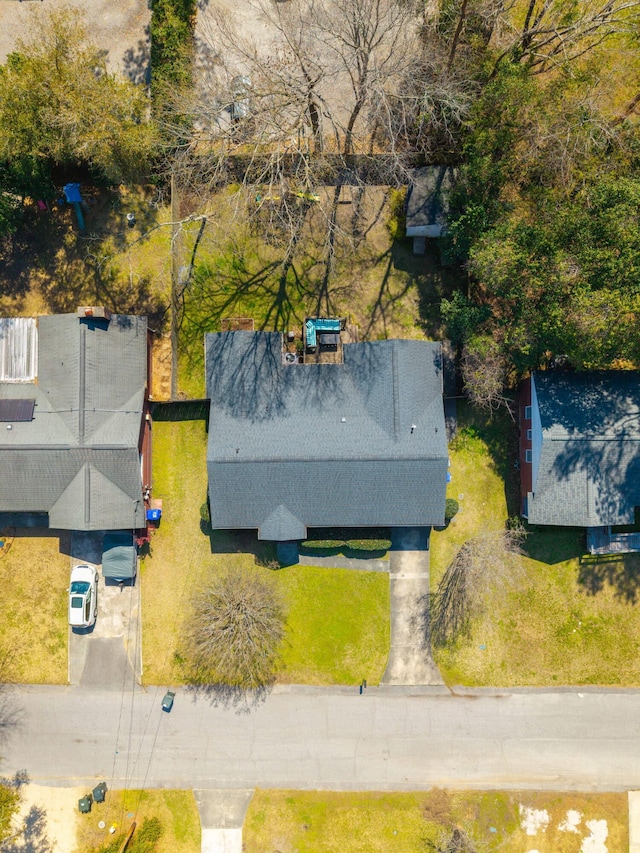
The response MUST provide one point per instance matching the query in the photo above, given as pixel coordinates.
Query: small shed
(119, 556)
(428, 204)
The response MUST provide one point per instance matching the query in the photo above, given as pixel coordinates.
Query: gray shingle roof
(589, 472)
(78, 458)
(428, 200)
(312, 445)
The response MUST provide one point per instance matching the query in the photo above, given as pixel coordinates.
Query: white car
(83, 596)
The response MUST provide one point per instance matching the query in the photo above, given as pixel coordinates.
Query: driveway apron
(109, 655)
(410, 659)
(222, 815)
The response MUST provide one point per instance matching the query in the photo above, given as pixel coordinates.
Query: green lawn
(33, 629)
(374, 279)
(176, 810)
(338, 620)
(569, 620)
(308, 821)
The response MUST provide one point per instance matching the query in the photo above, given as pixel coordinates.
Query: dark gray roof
(78, 458)
(313, 445)
(428, 199)
(589, 472)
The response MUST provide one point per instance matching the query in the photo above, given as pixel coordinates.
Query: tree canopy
(59, 105)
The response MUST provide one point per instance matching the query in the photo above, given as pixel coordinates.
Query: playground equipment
(72, 195)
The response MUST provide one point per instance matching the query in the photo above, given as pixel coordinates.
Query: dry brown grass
(176, 810)
(366, 822)
(34, 576)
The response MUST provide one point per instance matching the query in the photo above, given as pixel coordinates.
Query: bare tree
(235, 631)
(484, 373)
(481, 567)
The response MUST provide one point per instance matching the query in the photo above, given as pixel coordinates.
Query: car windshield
(80, 587)
(77, 601)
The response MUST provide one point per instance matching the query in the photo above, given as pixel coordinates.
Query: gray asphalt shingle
(322, 445)
(78, 458)
(589, 471)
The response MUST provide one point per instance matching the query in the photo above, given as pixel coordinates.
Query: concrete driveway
(109, 655)
(410, 659)
(222, 814)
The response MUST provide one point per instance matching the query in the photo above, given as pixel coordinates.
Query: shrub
(235, 631)
(398, 219)
(205, 514)
(451, 508)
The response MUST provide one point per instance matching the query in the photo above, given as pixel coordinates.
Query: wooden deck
(601, 541)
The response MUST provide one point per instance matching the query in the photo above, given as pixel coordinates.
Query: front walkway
(410, 659)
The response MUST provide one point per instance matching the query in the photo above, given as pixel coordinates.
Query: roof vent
(94, 312)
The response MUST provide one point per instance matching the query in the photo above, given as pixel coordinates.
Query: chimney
(94, 312)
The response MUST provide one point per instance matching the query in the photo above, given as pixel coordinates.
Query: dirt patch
(60, 806)
(120, 29)
(160, 368)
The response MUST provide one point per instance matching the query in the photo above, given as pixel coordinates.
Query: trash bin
(154, 515)
(84, 804)
(99, 792)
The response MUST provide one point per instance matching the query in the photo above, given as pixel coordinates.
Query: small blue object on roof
(72, 193)
(154, 514)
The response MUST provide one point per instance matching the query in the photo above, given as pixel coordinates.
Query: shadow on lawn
(500, 436)
(553, 545)
(619, 571)
(433, 280)
(242, 542)
(70, 268)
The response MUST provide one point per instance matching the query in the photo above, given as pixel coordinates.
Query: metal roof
(18, 349)
(355, 444)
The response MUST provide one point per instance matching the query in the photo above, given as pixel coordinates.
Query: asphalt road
(384, 739)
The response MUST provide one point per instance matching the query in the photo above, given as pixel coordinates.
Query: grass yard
(307, 821)
(176, 810)
(48, 267)
(568, 620)
(374, 279)
(338, 620)
(33, 628)
(338, 625)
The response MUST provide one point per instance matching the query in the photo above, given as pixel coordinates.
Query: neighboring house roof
(428, 200)
(588, 473)
(77, 459)
(313, 445)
